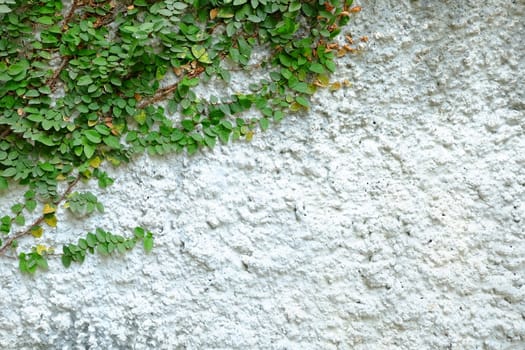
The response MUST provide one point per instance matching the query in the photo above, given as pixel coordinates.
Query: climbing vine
(92, 83)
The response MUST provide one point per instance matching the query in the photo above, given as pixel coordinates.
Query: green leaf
(210, 141)
(180, 6)
(45, 90)
(84, 80)
(32, 93)
(22, 263)
(3, 184)
(20, 220)
(116, 81)
(4, 9)
(264, 123)
(148, 243)
(18, 68)
(9, 172)
(100, 61)
(188, 124)
(82, 244)
(47, 167)
(45, 20)
(112, 141)
(317, 68)
(91, 240)
(31, 205)
(139, 232)
(66, 260)
(89, 150)
(302, 101)
(278, 116)
(102, 249)
(295, 6)
(121, 247)
(300, 87)
(225, 12)
(17, 208)
(330, 66)
(92, 136)
(42, 263)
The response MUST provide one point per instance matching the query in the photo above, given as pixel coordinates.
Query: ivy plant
(95, 83)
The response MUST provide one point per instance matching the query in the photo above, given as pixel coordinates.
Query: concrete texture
(391, 216)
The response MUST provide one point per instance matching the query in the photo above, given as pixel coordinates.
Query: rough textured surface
(390, 217)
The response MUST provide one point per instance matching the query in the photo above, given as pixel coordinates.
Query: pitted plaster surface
(391, 216)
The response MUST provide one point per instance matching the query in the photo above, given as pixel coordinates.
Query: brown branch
(159, 95)
(52, 81)
(110, 16)
(76, 4)
(39, 220)
(5, 133)
(100, 21)
(164, 92)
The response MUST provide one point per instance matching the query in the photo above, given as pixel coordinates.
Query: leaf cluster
(82, 204)
(104, 81)
(105, 244)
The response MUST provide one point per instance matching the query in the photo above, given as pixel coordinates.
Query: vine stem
(101, 20)
(164, 92)
(51, 82)
(5, 133)
(39, 220)
(76, 4)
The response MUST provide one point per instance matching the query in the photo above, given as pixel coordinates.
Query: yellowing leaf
(141, 117)
(49, 208)
(37, 231)
(92, 122)
(249, 136)
(213, 13)
(199, 52)
(51, 220)
(95, 162)
(60, 177)
(294, 107)
(113, 161)
(335, 86)
(205, 59)
(87, 174)
(324, 80)
(177, 71)
(118, 128)
(40, 248)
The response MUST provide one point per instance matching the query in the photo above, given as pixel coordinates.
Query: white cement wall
(391, 216)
